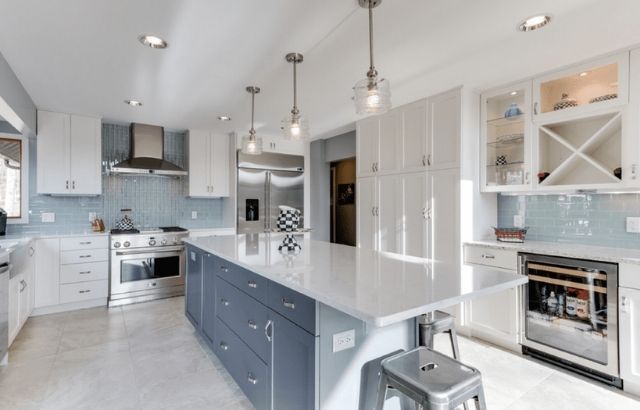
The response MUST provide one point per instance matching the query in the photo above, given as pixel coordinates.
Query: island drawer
(248, 282)
(497, 258)
(298, 308)
(83, 272)
(84, 256)
(245, 366)
(245, 316)
(84, 242)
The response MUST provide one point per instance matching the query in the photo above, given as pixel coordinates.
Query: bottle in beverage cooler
(552, 303)
(560, 310)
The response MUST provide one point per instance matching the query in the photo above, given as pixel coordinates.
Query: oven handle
(177, 249)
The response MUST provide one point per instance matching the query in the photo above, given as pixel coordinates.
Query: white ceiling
(82, 56)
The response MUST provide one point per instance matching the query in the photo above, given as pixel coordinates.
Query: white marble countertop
(570, 250)
(376, 287)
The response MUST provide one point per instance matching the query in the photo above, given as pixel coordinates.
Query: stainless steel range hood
(147, 153)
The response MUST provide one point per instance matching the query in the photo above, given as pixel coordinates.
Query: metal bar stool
(436, 322)
(431, 379)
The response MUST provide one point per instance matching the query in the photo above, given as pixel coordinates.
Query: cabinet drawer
(83, 272)
(296, 307)
(76, 292)
(245, 316)
(243, 365)
(498, 258)
(248, 282)
(84, 242)
(84, 256)
(629, 276)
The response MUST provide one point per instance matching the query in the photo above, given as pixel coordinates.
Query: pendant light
(251, 144)
(372, 95)
(294, 126)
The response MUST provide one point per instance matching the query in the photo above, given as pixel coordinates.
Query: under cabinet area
(69, 154)
(208, 164)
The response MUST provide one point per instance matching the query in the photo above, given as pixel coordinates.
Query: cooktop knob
(163, 242)
(127, 244)
(152, 242)
(116, 244)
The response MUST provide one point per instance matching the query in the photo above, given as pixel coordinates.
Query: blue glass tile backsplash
(155, 201)
(590, 219)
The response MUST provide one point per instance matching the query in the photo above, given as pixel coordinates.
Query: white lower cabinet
(496, 318)
(629, 332)
(389, 214)
(21, 288)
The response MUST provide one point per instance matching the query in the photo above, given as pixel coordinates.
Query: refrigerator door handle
(266, 201)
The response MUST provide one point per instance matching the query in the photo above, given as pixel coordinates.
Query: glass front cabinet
(505, 146)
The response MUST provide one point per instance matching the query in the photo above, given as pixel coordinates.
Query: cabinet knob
(424, 160)
(429, 160)
(624, 304)
(224, 269)
(86, 272)
(251, 378)
(252, 284)
(67, 184)
(224, 346)
(488, 256)
(288, 304)
(224, 302)
(633, 171)
(252, 325)
(535, 108)
(73, 184)
(84, 291)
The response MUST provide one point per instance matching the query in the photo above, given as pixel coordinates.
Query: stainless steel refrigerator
(265, 182)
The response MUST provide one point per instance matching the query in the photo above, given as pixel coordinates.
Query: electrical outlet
(633, 224)
(344, 340)
(48, 217)
(518, 221)
(92, 216)
(194, 214)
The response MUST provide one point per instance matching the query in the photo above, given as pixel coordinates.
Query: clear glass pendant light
(372, 95)
(251, 144)
(294, 126)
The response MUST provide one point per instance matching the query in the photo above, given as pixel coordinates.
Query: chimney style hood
(147, 153)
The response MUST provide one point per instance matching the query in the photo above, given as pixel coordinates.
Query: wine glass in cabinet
(505, 149)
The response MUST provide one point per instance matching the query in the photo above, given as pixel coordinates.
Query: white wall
(16, 106)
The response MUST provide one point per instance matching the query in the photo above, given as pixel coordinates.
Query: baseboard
(493, 338)
(85, 304)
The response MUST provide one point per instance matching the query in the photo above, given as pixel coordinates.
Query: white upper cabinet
(414, 135)
(277, 145)
(367, 145)
(443, 130)
(389, 144)
(209, 164)
(69, 151)
(505, 145)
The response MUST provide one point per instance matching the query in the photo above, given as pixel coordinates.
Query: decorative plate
(605, 97)
(565, 102)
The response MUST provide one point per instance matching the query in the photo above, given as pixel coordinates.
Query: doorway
(342, 195)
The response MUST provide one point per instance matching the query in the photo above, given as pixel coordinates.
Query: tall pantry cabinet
(409, 180)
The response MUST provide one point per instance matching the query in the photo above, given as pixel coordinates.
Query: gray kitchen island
(296, 331)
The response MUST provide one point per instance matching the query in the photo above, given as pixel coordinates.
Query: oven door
(141, 270)
(570, 311)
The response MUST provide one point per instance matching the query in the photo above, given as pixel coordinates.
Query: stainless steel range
(146, 265)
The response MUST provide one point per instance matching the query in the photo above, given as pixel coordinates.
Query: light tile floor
(147, 356)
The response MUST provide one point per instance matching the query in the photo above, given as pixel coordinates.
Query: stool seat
(431, 379)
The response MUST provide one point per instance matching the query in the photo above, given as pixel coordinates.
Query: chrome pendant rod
(372, 68)
(295, 89)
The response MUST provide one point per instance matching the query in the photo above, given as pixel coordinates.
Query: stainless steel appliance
(571, 316)
(146, 265)
(3, 222)
(266, 181)
(5, 268)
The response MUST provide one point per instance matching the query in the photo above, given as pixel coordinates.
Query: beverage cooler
(570, 310)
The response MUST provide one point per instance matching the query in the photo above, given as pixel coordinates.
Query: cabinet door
(293, 366)
(47, 283)
(414, 135)
(52, 161)
(443, 135)
(86, 156)
(219, 165)
(209, 300)
(193, 287)
(367, 140)
(415, 207)
(199, 164)
(389, 213)
(30, 278)
(389, 142)
(629, 336)
(443, 219)
(15, 285)
(366, 212)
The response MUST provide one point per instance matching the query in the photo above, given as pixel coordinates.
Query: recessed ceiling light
(152, 41)
(584, 74)
(514, 93)
(534, 22)
(224, 118)
(133, 103)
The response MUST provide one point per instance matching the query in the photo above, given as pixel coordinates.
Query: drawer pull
(224, 269)
(251, 378)
(267, 329)
(224, 302)
(488, 256)
(288, 304)
(224, 346)
(85, 243)
(24, 286)
(84, 256)
(86, 272)
(624, 304)
(252, 284)
(252, 325)
(84, 291)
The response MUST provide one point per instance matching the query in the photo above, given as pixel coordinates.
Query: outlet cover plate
(194, 214)
(518, 221)
(344, 340)
(633, 224)
(48, 217)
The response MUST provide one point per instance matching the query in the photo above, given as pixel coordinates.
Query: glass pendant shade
(372, 96)
(251, 145)
(295, 127)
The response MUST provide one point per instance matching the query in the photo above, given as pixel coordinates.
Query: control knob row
(126, 244)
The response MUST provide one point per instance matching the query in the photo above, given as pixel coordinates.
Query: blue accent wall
(590, 219)
(155, 201)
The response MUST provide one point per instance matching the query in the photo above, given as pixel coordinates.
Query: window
(11, 178)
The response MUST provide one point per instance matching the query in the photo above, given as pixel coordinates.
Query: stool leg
(454, 343)
(479, 400)
(382, 391)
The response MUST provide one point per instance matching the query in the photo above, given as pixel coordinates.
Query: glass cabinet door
(505, 139)
(584, 88)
